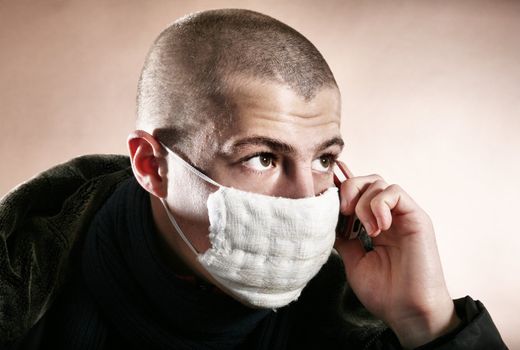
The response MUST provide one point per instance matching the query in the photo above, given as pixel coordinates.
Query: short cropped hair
(183, 83)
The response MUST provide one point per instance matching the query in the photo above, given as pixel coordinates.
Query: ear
(148, 162)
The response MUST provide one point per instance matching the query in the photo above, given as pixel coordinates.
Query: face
(278, 144)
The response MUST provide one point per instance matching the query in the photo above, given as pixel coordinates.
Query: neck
(173, 250)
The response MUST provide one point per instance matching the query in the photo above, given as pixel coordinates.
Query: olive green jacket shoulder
(41, 220)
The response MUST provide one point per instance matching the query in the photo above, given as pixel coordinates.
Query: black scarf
(139, 303)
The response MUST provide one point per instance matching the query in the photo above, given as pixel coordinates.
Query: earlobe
(148, 162)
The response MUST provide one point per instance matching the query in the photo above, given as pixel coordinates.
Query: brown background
(431, 94)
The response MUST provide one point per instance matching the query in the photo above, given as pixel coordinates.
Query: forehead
(271, 109)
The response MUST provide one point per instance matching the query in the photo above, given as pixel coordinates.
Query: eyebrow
(276, 145)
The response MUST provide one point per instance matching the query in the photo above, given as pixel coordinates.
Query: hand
(401, 279)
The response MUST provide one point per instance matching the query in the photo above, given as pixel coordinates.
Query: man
(221, 234)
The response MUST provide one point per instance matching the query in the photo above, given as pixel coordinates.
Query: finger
(381, 210)
(381, 206)
(351, 252)
(351, 190)
(364, 210)
(393, 200)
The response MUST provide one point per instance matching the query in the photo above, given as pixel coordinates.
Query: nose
(297, 182)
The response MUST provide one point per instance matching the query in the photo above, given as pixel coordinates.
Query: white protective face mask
(264, 249)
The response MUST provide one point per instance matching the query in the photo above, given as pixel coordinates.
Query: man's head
(186, 87)
(244, 98)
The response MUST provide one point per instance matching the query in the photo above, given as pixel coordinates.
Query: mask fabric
(264, 249)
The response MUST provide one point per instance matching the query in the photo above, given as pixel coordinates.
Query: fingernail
(369, 228)
(379, 222)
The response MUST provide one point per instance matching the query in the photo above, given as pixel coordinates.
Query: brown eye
(325, 162)
(260, 162)
(265, 161)
(322, 164)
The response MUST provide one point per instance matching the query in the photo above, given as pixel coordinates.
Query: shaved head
(186, 86)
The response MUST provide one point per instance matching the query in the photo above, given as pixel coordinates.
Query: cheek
(253, 182)
(322, 182)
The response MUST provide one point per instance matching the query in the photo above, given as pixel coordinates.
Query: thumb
(351, 252)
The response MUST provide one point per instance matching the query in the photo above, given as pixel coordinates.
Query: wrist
(424, 328)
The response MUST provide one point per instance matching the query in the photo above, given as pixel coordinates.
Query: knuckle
(376, 202)
(380, 183)
(395, 188)
(377, 176)
(359, 212)
(347, 189)
(348, 182)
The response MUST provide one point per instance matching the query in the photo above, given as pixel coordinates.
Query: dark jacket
(42, 223)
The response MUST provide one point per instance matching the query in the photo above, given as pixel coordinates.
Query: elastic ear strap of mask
(190, 168)
(179, 231)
